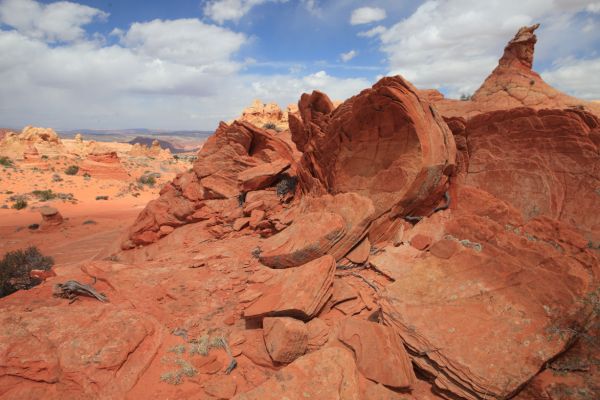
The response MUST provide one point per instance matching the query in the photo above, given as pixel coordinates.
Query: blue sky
(187, 64)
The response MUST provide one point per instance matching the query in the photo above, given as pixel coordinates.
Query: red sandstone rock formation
(239, 162)
(511, 84)
(409, 263)
(51, 217)
(105, 165)
(267, 115)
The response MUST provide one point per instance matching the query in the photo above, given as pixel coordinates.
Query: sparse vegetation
(86, 176)
(20, 203)
(56, 178)
(286, 185)
(44, 195)
(89, 222)
(33, 227)
(101, 197)
(16, 266)
(270, 125)
(72, 170)
(149, 179)
(466, 97)
(6, 162)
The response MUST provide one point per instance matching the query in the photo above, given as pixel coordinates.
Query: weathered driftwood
(72, 289)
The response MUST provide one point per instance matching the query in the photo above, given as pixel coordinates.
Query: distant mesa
(158, 144)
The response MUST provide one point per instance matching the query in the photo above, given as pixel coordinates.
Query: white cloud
(365, 15)
(348, 56)
(455, 45)
(184, 41)
(172, 74)
(378, 30)
(577, 77)
(285, 89)
(231, 10)
(593, 8)
(56, 22)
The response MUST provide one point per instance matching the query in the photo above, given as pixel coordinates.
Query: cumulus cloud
(455, 45)
(366, 15)
(184, 41)
(231, 10)
(173, 74)
(280, 87)
(345, 57)
(577, 77)
(55, 22)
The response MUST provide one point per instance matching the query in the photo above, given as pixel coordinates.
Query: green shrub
(44, 195)
(16, 266)
(6, 162)
(149, 179)
(270, 125)
(101, 197)
(20, 203)
(466, 97)
(72, 170)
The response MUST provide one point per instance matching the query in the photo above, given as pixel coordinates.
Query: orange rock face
(544, 163)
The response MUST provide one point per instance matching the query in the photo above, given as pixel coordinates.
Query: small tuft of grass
(200, 346)
(101, 197)
(177, 349)
(172, 377)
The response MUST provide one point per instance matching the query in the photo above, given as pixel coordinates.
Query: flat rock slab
(55, 352)
(297, 292)
(483, 325)
(324, 225)
(380, 354)
(329, 374)
(309, 237)
(263, 175)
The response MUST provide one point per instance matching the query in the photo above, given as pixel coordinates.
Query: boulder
(297, 292)
(379, 352)
(50, 217)
(286, 338)
(329, 373)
